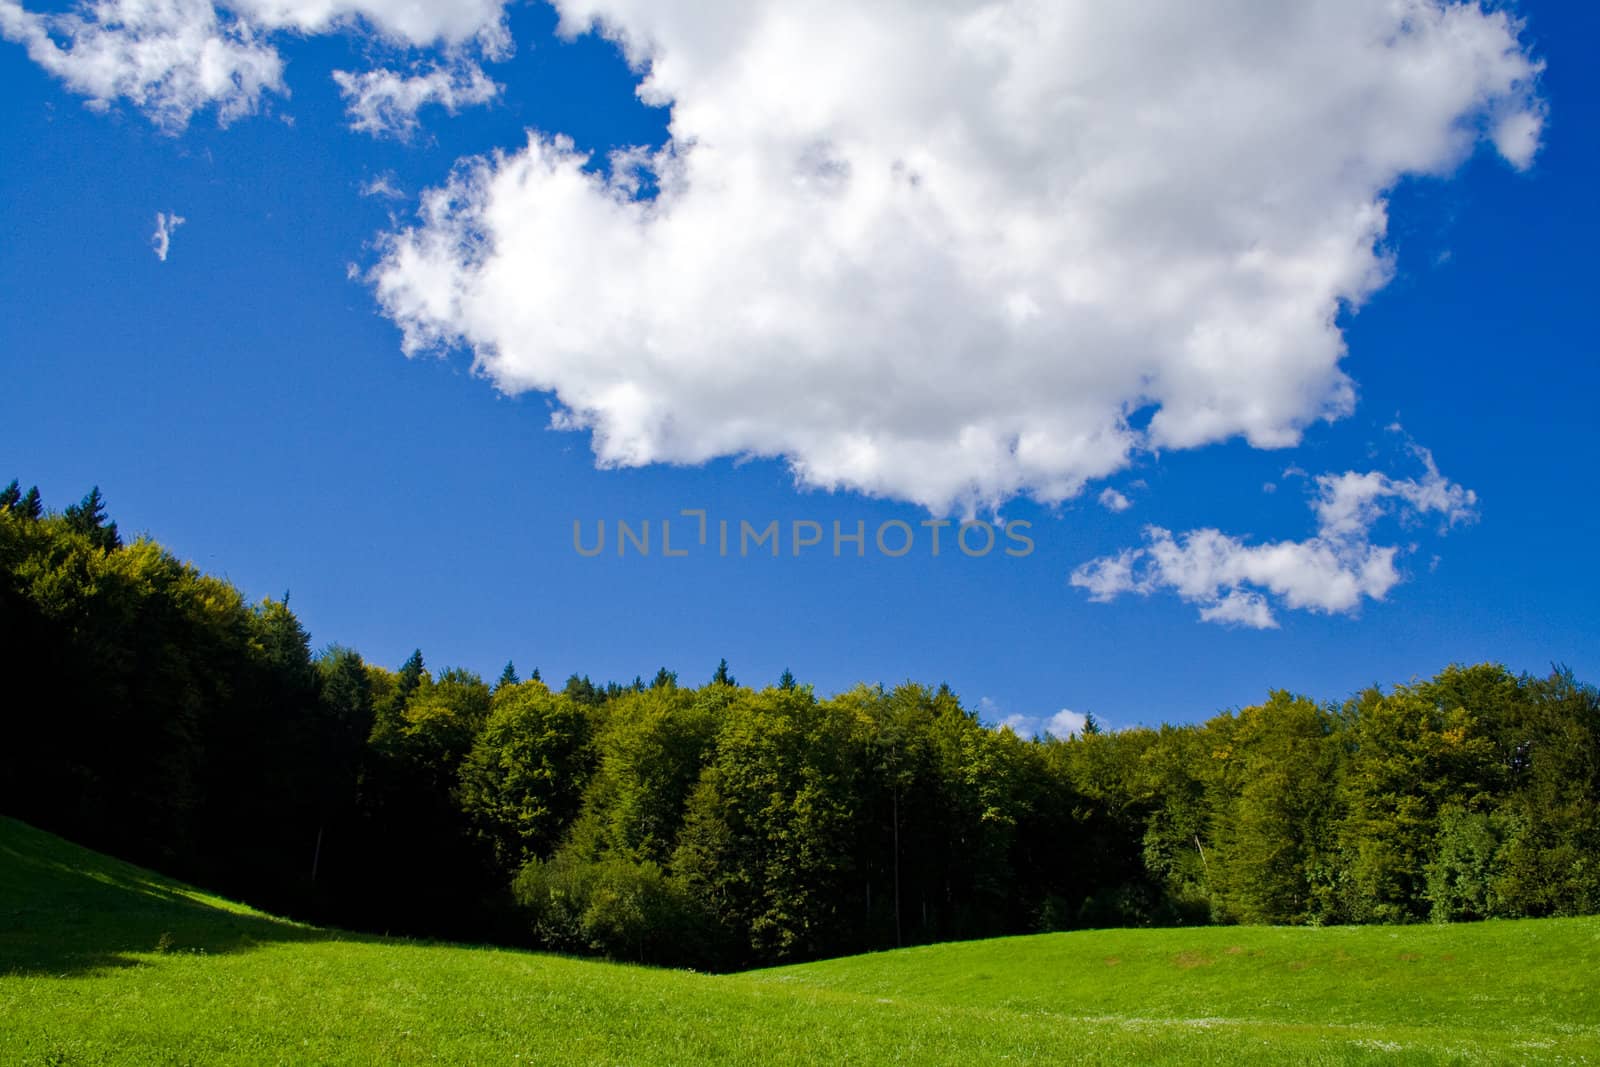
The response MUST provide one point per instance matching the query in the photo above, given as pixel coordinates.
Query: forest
(155, 713)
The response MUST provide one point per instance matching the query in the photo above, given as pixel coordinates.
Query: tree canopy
(182, 726)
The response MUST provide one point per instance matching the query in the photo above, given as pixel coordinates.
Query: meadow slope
(103, 962)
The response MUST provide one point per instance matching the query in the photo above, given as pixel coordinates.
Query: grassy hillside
(102, 962)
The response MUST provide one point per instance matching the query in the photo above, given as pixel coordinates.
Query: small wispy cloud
(161, 240)
(383, 186)
(1235, 583)
(384, 103)
(1114, 501)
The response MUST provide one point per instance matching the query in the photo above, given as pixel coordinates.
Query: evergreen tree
(347, 696)
(722, 677)
(787, 680)
(409, 679)
(509, 676)
(583, 691)
(286, 645)
(88, 517)
(10, 496)
(665, 679)
(390, 710)
(32, 507)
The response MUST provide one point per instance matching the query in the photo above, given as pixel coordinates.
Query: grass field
(102, 962)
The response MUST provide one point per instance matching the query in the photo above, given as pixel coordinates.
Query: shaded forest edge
(153, 713)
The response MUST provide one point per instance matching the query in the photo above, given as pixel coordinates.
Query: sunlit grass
(101, 962)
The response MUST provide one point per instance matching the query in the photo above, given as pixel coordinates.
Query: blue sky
(246, 401)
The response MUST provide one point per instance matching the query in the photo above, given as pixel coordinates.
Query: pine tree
(665, 679)
(722, 677)
(347, 698)
(285, 645)
(32, 507)
(1091, 725)
(11, 495)
(583, 691)
(509, 676)
(787, 680)
(534, 677)
(88, 517)
(409, 679)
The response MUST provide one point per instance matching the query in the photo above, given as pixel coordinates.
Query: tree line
(153, 712)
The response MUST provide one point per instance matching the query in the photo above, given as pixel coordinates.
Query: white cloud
(172, 58)
(1063, 724)
(169, 58)
(944, 251)
(382, 186)
(1517, 136)
(1349, 503)
(1239, 607)
(161, 240)
(414, 22)
(1332, 572)
(385, 103)
(1114, 501)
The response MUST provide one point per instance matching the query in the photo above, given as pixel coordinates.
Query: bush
(615, 907)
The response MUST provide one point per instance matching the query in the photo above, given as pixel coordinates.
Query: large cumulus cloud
(954, 252)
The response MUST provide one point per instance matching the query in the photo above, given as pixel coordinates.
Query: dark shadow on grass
(67, 911)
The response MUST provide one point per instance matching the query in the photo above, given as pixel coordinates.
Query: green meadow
(104, 962)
